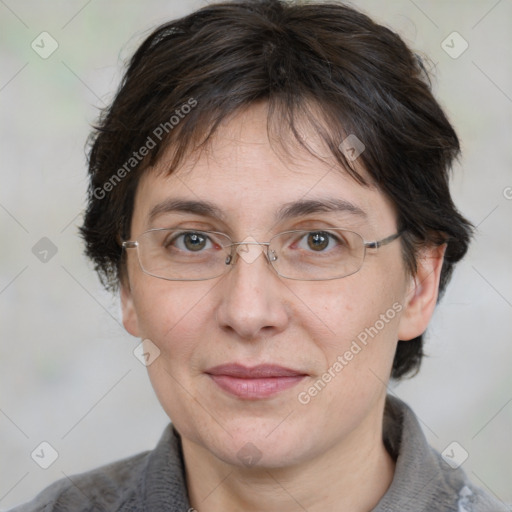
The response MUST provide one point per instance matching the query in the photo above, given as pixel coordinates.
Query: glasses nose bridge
(237, 252)
(250, 243)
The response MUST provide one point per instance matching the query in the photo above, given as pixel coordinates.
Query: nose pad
(250, 250)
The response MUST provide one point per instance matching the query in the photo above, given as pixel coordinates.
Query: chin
(264, 443)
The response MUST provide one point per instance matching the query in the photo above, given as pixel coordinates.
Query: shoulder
(454, 489)
(152, 480)
(110, 487)
(423, 479)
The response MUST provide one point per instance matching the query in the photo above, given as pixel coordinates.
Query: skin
(324, 455)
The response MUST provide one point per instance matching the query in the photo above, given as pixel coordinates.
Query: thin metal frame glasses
(304, 255)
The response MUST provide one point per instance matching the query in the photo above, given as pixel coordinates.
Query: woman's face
(330, 343)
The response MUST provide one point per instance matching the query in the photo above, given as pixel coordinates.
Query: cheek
(173, 315)
(362, 320)
(357, 352)
(177, 318)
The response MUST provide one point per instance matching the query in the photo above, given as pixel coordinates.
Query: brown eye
(194, 241)
(318, 241)
(188, 242)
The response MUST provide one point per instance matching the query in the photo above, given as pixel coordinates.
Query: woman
(269, 193)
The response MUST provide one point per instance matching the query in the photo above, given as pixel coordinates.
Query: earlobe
(130, 320)
(421, 297)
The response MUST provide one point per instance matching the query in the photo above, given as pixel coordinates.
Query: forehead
(245, 175)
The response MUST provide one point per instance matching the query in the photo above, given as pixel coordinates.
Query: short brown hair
(359, 76)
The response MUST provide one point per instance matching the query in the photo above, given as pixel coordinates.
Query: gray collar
(422, 480)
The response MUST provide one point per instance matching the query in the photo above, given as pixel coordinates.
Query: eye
(319, 241)
(193, 241)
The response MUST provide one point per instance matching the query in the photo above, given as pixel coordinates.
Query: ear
(421, 298)
(130, 320)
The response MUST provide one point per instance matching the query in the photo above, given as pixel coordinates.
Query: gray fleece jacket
(155, 481)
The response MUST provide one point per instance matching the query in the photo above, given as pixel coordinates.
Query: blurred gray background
(67, 370)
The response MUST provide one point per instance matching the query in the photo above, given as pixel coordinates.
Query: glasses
(191, 255)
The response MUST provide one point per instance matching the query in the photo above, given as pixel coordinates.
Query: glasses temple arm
(384, 241)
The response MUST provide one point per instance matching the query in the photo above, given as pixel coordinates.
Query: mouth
(253, 383)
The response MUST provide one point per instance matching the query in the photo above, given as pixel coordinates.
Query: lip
(256, 382)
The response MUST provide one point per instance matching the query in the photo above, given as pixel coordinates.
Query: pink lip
(254, 383)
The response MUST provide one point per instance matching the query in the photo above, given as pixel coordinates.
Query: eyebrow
(204, 208)
(287, 211)
(327, 205)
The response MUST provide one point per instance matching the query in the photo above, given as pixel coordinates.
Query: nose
(252, 300)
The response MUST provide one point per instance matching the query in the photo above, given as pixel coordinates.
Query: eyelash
(178, 239)
(305, 225)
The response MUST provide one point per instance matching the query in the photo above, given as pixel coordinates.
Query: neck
(351, 476)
